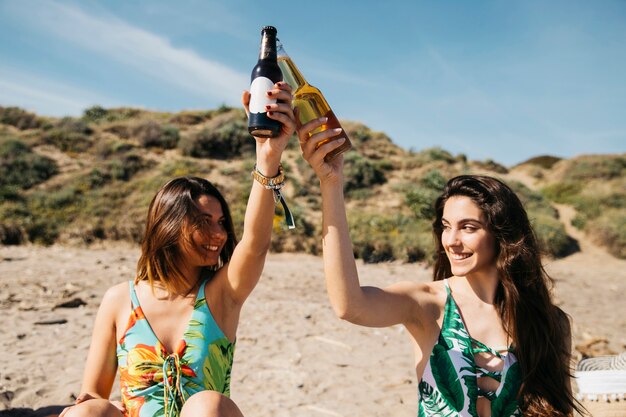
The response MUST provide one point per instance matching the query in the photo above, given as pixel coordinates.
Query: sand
(293, 356)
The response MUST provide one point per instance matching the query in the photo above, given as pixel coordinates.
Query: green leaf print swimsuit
(449, 386)
(155, 382)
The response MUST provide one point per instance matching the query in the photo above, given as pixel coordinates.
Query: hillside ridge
(77, 180)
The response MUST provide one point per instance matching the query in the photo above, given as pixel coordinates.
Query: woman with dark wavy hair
(171, 331)
(488, 340)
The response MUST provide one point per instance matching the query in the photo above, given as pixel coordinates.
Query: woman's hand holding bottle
(328, 172)
(282, 111)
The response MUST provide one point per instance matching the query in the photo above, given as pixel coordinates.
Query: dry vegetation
(80, 180)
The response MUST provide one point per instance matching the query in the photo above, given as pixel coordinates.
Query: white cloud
(47, 97)
(139, 49)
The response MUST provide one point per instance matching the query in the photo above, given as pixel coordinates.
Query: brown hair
(539, 329)
(173, 213)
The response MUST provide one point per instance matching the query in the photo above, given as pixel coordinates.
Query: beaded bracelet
(275, 184)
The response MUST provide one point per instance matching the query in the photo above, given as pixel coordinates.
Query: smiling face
(466, 238)
(202, 247)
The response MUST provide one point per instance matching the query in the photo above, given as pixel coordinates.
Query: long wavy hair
(173, 213)
(539, 330)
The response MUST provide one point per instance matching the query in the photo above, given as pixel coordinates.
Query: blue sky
(505, 80)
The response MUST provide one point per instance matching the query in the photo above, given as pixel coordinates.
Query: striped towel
(602, 377)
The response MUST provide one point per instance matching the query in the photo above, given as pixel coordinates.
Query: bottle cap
(270, 29)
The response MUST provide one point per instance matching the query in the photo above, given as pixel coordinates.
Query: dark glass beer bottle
(310, 102)
(264, 75)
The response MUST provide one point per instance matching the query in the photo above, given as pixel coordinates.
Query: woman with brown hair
(488, 340)
(171, 331)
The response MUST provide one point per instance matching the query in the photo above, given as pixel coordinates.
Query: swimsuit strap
(497, 375)
(448, 291)
(481, 347)
(135, 300)
(200, 294)
(133, 294)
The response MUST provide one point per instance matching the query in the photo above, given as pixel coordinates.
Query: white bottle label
(258, 99)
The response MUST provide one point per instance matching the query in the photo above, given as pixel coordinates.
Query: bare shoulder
(429, 296)
(116, 296)
(433, 292)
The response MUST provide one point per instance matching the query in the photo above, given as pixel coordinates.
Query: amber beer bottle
(310, 102)
(264, 75)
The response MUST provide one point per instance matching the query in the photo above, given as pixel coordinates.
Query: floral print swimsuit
(449, 386)
(155, 382)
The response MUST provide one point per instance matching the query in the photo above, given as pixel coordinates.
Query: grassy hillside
(595, 185)
(80, 180)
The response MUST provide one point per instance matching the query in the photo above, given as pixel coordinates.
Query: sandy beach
(293, 356)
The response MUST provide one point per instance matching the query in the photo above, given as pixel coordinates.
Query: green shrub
(179, 168)
(106, 148)
(123, 131)
(375, 252)
(534, 202)
(437, 154)
(381, 238)
(47, 213)
(421, 198)
(562, 192)
(597, 167)
(69, 135)
(191, 118)
(125, 167)
(74, 125)
(302, 239)
(152, 134)
(67, 141)
(361, 172)
(229, 140)
(42, 232)
(589, 207)
(609, 230)
(95, 114)
(9, 193)
(553, 238)
(98, 114)
(491, 165)
(543, 161)
(14, 116)
(360, 135)
(434, 180)
(170, 136)
(11, 234)
(21, 167)
(362, 194)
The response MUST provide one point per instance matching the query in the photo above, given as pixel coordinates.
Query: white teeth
(459, 256)
(211, 248)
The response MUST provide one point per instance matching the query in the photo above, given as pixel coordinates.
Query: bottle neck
(291, 73)
(294, 76)
(268, 47)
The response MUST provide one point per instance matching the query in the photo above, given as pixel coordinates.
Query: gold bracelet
(275, 182)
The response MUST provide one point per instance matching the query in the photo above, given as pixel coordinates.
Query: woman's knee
(210, 404)
(93, 408)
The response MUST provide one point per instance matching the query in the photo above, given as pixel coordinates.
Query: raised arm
(367, 306)
(245, 267)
